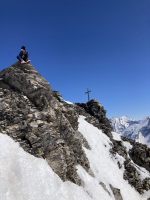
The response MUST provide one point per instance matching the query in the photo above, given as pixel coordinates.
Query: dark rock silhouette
(96, 115)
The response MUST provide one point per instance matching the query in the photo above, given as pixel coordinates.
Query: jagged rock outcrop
(133, 176)
(96, 115)
(44, 127)
(140, 154)
(117, 147)
(27, 80)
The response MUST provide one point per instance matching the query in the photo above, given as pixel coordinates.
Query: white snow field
(25, 177)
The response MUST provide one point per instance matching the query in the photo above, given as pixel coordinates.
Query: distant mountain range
(138, 130)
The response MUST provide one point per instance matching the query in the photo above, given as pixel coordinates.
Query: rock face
(140, 154)
(118, 147)
(47, 127)
(133, 176)
(44, 127)
(96, 115)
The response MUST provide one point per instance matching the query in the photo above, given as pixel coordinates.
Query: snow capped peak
(122, 120)
(138, 130)
(125, 118)
(120, 123)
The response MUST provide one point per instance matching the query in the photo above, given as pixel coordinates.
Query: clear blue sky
(75, 44)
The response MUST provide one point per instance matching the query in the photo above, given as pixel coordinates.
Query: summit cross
(88, 94)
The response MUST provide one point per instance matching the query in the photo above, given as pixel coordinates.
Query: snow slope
(103, 165)
(25, 177)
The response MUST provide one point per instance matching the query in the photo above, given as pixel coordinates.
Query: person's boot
(23, 62)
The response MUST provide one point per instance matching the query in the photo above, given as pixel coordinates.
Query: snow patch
(68, 102)
(127, 145)
(116, 136)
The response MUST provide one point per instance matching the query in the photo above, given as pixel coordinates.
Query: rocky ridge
(43, 126)
(46, 126)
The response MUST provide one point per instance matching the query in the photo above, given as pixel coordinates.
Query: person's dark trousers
(19, 58)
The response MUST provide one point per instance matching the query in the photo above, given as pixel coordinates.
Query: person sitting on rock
(23, 55)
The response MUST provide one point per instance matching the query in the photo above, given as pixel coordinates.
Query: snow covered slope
(24, 177)
(138, 130)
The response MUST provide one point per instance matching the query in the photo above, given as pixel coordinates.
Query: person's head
(23, 48)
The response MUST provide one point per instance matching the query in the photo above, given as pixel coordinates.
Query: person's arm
(21, 54)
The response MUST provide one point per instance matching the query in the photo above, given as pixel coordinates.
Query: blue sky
(75, 44)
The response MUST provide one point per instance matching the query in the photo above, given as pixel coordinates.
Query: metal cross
(88, 93)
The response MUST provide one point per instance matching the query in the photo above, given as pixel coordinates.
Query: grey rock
(96, 115)
(105, 188)
(116, 192)
(45, 127)
(140, 154)
(117, 147)
(134, 179)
